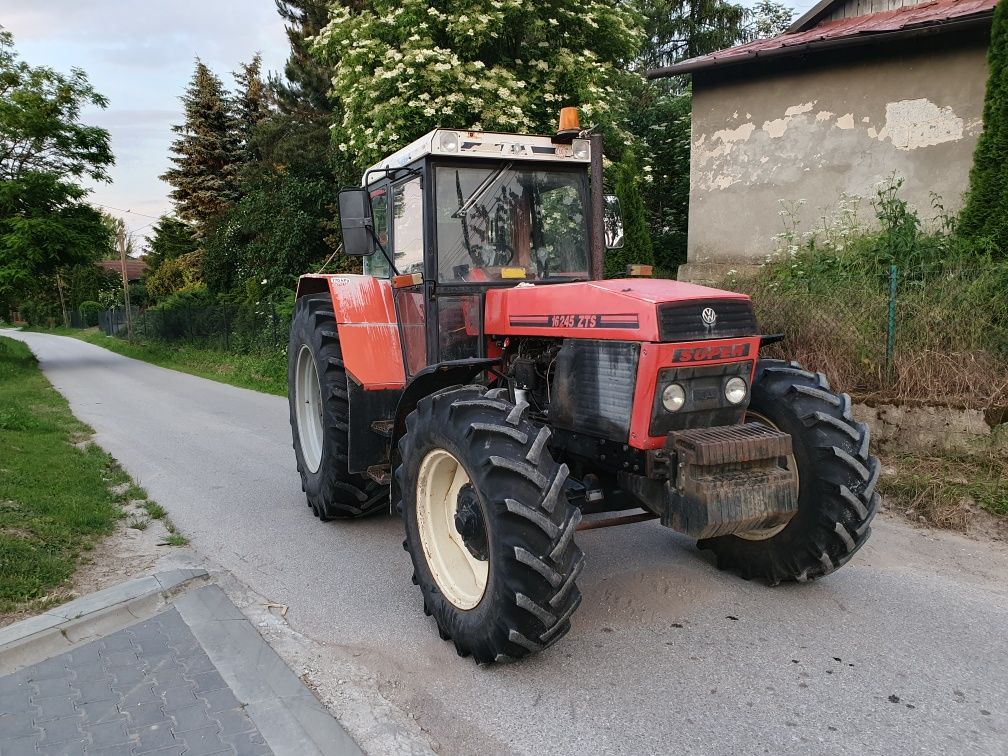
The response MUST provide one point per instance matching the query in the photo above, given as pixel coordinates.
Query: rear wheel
(488, 526)
(836, 481)
(320, 413)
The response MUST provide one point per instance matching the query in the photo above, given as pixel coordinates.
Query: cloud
(141, 56)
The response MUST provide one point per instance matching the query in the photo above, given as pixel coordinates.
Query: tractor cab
(458, 213)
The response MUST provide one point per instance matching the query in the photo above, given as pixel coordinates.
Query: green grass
(266, 372)
(941, 489)
(55, 500)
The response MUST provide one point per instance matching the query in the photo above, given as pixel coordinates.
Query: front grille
(684, 321)
(705, 405)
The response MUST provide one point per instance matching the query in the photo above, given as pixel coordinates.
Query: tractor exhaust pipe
(597, 264)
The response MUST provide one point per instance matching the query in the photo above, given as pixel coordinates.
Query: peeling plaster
(920, 123)
(824, 115)
(776, 128)
(796, 110)
(845, 121)
(740, 134)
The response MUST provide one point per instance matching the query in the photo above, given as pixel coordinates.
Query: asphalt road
(904, 650)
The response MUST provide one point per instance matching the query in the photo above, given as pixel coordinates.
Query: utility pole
(59, 285)
(126, 300)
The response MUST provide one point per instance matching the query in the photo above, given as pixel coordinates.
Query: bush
(90, 312)
(38, 313)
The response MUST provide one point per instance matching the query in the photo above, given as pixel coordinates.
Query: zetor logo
(703, 354)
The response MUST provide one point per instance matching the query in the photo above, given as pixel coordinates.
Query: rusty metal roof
(134, 268)
(872, 27)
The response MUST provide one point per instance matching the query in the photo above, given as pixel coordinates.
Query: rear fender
(367, 324)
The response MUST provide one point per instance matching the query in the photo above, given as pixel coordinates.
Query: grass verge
(266, 372)
(59, 493)
(55, 498)
(947, 490)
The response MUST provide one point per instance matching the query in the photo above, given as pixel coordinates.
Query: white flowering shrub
(402, 67)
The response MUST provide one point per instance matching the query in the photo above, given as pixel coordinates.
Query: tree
(45, 149)
(171, 239)
(984, 219)
(637, 247)
(306, 88)
(250, 105)
(402, 67)
(659, 117)
(206, 153)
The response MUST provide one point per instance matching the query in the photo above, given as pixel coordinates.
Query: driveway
(904, 650)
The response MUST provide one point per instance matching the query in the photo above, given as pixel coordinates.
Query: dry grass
(952, 491)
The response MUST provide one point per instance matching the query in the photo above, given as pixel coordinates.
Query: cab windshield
(511, 221)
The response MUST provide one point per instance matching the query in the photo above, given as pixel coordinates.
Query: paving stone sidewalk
(150, 688)
(195, 678)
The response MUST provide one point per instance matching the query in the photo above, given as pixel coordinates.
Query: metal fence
(224, 326)
(912, 336)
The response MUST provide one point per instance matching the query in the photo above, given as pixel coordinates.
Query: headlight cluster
(673, 396)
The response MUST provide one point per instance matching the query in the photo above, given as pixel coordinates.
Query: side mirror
(356, 223)
(613, 221)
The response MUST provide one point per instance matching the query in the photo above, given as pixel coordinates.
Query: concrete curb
(288, 715)
(90, 617)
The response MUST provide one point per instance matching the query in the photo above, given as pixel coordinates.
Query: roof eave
(701, 64)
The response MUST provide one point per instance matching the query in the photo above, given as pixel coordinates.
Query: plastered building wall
(804, 135)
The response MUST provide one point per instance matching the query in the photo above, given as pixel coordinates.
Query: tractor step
(382, 428)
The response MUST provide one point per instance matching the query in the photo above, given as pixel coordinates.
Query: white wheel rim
(308, 403)
(461, 577)
(763, 534)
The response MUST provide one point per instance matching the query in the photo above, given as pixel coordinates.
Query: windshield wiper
(480, 190)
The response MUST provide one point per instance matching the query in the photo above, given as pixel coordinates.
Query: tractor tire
(837, 477)
(319, 416)
(499, 573)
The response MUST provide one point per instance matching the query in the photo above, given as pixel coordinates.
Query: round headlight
(735, 390)
(579, 148)
(448, 141)
(673, 397)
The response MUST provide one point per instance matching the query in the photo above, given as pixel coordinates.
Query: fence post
(227, 329)
(891, 330)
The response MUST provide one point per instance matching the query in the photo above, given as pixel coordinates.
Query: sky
(141, 54)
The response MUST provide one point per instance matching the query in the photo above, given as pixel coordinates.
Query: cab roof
(481, 144)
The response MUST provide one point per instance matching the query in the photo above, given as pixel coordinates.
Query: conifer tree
(206, 153)
(251, 105)
(984, 219)
(637, 249)
(306, 85)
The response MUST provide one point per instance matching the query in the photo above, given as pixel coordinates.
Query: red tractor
(483, 378)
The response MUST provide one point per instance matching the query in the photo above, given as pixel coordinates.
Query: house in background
(854, 91)
(134, 268)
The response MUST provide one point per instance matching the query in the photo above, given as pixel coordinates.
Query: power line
(123, 210)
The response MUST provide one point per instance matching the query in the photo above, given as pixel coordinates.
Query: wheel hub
(469, 522)
(452, 530)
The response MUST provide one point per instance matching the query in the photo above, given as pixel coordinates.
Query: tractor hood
(625, 309)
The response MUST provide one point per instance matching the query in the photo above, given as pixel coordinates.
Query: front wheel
(836, 481)
(488, 525)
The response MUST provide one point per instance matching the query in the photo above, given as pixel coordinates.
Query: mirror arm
(385, 254)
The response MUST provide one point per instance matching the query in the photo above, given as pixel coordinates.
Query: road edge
(90, 617)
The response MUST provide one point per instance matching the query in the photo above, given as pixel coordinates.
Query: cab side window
(407, 226)
(376, 265)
